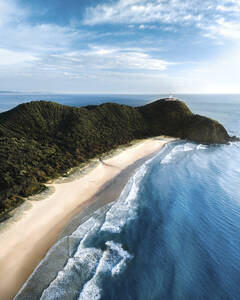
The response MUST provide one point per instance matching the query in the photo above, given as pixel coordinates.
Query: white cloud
(216, 19)
(41, 52)
(38, 38)
(29, 48)
(44, 51)
(22, 42)
(230, 6)
(223, 8)
(97, 59)
(143, 11)
(10, 12)
(8, 57)
(17, 34)
(144, 26)
(223, 29)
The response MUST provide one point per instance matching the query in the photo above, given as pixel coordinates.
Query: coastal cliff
(42, 140)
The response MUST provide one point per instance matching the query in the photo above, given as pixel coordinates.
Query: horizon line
(104, 94)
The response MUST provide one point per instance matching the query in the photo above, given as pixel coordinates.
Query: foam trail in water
(82, 274)
(123, 253)
(189, 147)
(114, 259)
(113, 262)
(202, 147)
(78, 268)
(186, 147)
(125, 208)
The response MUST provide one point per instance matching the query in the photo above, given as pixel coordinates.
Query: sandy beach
(25, 241)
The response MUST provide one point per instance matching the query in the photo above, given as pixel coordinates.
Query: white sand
(25, 242)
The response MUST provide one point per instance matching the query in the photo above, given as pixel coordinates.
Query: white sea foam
(78, 268)
(180, 148)
(189, 147)
(172, 153)
(84, 261)
(81, 276)
(117, 269)
(202, 147)
(113, 261)
(124, 209)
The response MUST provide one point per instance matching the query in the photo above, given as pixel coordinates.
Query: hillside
(42, 140)
(174, 118)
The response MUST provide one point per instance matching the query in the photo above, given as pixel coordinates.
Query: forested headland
(42, 140)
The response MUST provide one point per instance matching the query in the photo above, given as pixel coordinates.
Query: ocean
(10, 100)
(173, 233)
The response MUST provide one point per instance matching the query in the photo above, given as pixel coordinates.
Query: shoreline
(25, 242)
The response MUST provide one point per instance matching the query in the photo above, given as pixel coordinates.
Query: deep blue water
(174, 232)
(10, 100)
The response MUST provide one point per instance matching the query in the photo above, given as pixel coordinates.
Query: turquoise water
(174, 232)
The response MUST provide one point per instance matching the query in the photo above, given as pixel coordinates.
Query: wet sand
(25, 242)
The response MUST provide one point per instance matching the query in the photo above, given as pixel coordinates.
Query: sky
(121, 46)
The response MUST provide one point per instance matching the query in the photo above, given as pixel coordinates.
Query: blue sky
(121, 46)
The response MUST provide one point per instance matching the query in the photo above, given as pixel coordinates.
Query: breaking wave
(173, 233)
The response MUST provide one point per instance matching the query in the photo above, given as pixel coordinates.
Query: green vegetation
(42, 140)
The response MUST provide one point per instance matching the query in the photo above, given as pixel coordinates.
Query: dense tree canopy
(42, 140)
